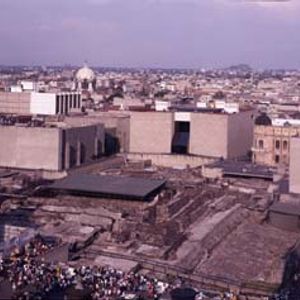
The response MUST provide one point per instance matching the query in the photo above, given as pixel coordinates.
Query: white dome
(85, 73)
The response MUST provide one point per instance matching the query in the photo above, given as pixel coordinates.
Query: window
(260, 144)
(71, 100)
(57, 105)
(285, 145)
(72, 157)
(66, 104)
(277, 144)
(61, 104)
(82, 153)
(277, 159)
(79, 101)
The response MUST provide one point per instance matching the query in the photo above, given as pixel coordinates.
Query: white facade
(43, 104)
(228, 107)
(282, 122)
(54, 104)
(161, 105)
(16, 89)
(29, 86)
(182, 117)
(201, 105)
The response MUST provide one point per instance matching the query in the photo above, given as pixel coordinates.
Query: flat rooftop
(116, 187)
(285, 208)
(243, 169)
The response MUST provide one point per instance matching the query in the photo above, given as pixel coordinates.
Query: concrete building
(50, 148)
(294, 186)
(40, 103)
(116, 125)
(15, 103)
(203, 133)
(271, 144)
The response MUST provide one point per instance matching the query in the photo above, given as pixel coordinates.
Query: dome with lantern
(85, 74)
(85, 79)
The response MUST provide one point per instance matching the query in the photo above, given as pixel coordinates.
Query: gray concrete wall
(47, 148)
(15, 103)
(208, 134)
(29, 148)
(294, 185)
(118, 121)
(240, 133)
(86, 136)
(151, 132)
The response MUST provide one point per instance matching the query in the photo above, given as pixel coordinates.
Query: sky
(151, 33)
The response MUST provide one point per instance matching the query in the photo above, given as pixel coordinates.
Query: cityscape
(167, 173)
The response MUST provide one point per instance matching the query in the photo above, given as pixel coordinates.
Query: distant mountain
(240, 68)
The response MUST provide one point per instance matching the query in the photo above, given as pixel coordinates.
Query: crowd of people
(32, 278)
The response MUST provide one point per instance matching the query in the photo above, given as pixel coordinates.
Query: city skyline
(151, 33)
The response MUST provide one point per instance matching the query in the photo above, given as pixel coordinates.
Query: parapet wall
(171, 160)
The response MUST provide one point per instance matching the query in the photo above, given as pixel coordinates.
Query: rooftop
(285, 208)
(243, 169)
(117, 187)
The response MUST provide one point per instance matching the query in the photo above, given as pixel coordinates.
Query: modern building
(204, 132)
(294, 185)
(271, 144)
(40, 103)
(49, 147)
(116, 126)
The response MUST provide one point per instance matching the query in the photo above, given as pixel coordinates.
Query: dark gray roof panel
(285, 208)
(243, 169)
(118, 186)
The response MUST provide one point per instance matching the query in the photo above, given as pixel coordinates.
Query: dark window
(61, 105)
(261, 144)
(82, 153)
(277, 159)
(285, 145)
(57, 105)
(63, 149)
(78, 101)
(277, 144)
(72, 157)
(181, 138)
(66, 104)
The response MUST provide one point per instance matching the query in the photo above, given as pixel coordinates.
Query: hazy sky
(151, 33)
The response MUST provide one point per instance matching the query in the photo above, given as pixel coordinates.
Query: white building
(285, 121)
(162, 105)
(55, 103)
(34, 103)
(29, 86)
